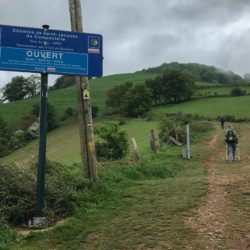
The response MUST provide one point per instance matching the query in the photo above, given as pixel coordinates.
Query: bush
(113, 143)
(237, 91)
(18, 191)
(26, 121)
(95, 111)
(174, 128)
(69, 112)
(4, 146)
(51, 115)
(6, 235)
(5, 134)
(17, 140)
(177, 128)
(33, 131)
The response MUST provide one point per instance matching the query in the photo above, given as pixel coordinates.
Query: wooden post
(135, 151)
(88, 154)
(154, 145)
(176, 130)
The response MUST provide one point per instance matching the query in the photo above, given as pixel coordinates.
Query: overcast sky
(144, 33)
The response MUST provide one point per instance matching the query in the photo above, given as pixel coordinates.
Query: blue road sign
(50, 51)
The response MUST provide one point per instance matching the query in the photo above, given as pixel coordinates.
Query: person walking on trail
(222, 121)
(232, 141)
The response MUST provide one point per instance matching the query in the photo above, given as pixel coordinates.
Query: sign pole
(39, 220)
(42, 145)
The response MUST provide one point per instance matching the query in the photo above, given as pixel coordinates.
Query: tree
(117, 94)
(156, 87)
(137, 101)
(32, 85)
(19, 88)
(63, 82)
(177, 86)
(15, 90)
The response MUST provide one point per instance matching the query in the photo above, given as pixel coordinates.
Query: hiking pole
(238, 152)
(226, 152)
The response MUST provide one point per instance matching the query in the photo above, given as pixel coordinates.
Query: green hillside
(209, 107)
(200, 72)
(64, 98)
(63, 144)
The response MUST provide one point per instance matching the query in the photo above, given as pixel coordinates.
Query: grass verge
(130, 206)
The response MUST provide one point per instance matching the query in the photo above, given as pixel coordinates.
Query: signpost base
(40, 222)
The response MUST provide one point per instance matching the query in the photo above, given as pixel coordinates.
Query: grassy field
(146, 205)
(63, 144)
(120, 212)
(209, 107)
(64, 98)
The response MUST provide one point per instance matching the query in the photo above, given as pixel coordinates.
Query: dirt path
(214, 222)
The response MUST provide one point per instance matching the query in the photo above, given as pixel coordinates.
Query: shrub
(174, 128)
(237, 91)
(95, 111)
(33, 131)
(4, 146)
(18, 191)
(177, 129)
(26, 121)
(51, 115)
(6, 235)
(113, 142)
(17, 140)
(68, 113)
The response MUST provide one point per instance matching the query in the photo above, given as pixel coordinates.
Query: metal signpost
(48, 51)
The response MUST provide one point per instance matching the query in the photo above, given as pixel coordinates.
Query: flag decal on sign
(94, 45)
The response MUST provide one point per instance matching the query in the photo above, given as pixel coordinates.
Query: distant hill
(200, 72)
(66, 97)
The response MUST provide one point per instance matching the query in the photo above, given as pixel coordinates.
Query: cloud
(145, 33)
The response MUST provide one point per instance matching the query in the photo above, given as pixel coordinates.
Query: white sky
(144, 33)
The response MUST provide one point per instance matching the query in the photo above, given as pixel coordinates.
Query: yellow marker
(85, 94)
(90, 146)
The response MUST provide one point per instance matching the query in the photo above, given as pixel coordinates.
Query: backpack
(231, 136)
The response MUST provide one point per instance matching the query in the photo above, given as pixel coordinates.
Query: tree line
(134, 100)
(200, 72)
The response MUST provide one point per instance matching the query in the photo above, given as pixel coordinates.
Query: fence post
(135, 151)
(154, 145)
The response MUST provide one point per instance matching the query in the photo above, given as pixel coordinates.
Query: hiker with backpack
(232, 141)
(222, 121)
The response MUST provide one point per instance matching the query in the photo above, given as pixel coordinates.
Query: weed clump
(18, 192)
(6, 235)
(175, 127)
